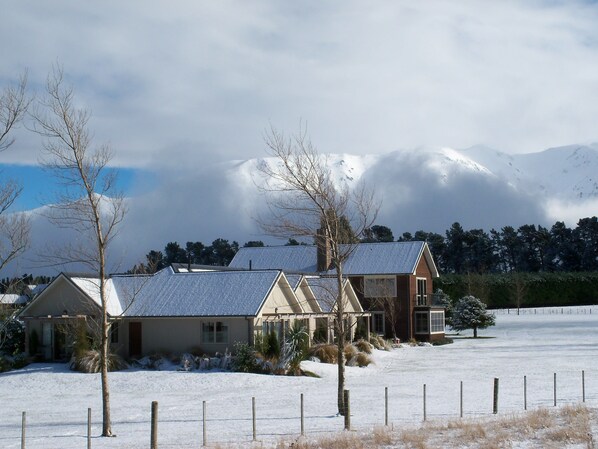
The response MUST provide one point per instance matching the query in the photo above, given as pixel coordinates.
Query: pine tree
(471, 313)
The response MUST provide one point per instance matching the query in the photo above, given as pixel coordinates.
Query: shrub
(245, 360)
(89, 362)
(362, 359)
(327, 353)
(12, 335)
(350, 351)
(295, 348)
(379, 343)
(364, 346)
(361, 332)
(320, 334)
(273, 346)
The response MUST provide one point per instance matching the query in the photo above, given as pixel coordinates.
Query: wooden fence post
(203, 430)
(495, 400)
(524, 392)
(583, 385)
(386, 406)
(154, 431)
(347, 410)
(253, 418)
(424, 402)
(89, 428)
(554, 388)
(23, 425)
(461, 400)
(302, 417)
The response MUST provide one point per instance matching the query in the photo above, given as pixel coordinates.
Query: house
(12, 301)
(174, 311)
(393, 281)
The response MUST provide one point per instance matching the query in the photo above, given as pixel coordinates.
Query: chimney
(323, 250)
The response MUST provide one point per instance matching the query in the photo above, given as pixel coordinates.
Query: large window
(437, 322)
(422, 295)
(214, 332)
(378, 323)
(421, 322)
(380, 287)
(114, 332)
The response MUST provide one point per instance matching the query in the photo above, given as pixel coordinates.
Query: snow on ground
(532, 345)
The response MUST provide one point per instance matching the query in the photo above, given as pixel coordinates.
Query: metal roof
(325, 290)
(365, 258)
(210, 293)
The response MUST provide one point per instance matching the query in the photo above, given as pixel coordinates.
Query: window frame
(418, 331)
(212, 332)
(441, 313)
(380, 289)
(421, 299)
(381, 316)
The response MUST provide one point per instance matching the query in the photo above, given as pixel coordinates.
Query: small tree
(471, 313)
(90, 203)
(304, 201)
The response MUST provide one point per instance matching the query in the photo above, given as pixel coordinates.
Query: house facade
(393, 282)
(172, 312)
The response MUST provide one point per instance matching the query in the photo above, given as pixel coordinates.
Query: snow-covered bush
(246, 360)
(470, 313)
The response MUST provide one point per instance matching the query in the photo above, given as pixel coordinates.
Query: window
(114, 332)
(421, 322)
(214, 332)
(437, 322)
(380, 287)
(378, 323)
(422, 295)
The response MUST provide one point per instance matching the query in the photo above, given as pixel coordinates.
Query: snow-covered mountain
(432, 187)
(427, 188)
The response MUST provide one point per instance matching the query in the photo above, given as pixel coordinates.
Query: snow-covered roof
(365, 259)
(13, 299)
(294, 280)
(325, 291)
(209, 293)
(91, 287)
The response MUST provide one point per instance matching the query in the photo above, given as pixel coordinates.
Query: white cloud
(174, 81)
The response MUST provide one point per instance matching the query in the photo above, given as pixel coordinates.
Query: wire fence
(196, 423)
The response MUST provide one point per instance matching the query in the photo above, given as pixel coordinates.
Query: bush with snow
(470, 313)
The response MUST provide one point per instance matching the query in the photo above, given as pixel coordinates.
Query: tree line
(526, 249)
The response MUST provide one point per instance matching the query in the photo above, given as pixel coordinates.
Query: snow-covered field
(532, 345)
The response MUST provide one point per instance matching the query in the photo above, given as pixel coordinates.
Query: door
(134, 339)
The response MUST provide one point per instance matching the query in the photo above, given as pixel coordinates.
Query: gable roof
(365, 259)
(210, 293)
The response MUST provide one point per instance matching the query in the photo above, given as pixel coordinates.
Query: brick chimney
(323, 249)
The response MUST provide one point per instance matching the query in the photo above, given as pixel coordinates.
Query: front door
(134, 339)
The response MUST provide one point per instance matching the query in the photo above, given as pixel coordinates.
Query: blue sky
(39, 185)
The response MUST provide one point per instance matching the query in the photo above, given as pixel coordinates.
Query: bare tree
(89, 203)
(303, 201)
(14, 228)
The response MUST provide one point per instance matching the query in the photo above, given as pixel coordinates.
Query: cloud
(174, 82)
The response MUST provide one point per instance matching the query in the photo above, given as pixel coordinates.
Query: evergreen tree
(470, 313)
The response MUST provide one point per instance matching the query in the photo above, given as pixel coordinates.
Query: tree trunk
(106, 422)
(475, 332)
(340, 312)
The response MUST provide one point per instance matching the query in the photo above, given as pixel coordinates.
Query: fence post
(461, 400)
(386, 406)
(347, 410)
(302, 417)
(424, 402)
(554, 388)
(583, 386)
(495, 401)
(23, 425)
(203, 421)
(89, 428)
(524, 392)
(154, 431)
(253, 418)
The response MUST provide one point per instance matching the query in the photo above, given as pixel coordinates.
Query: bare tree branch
(88, 204)
(303, 201)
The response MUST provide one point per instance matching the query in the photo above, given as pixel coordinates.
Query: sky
(176, 87)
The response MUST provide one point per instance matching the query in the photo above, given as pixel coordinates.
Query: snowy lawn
(532, 345)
